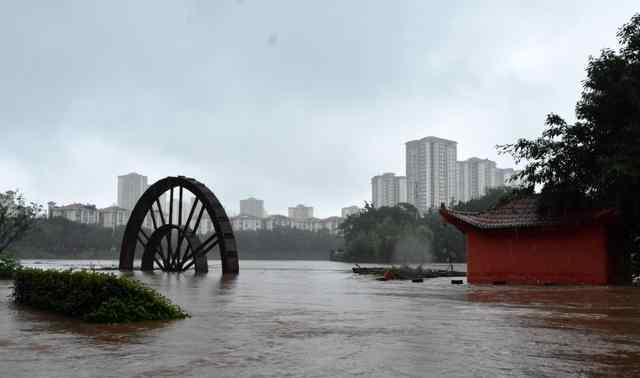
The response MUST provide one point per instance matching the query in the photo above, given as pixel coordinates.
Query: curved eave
(465, 221)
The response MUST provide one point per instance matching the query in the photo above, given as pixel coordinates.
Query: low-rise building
(76, 212)
(388, 189)
(246, 223)
(113, 216)
(301, 212)
(252, 206)
(276, 221)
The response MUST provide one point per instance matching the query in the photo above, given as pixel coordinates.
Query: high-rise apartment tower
(388, 190)
(130, 188)
(252, 206)
(431, 172)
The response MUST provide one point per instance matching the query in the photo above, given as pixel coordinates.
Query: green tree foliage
(596, 161)
(94, 297)
(448, 242)
(387, 234)
(16, 217)
(61, 238)
(8, 266)
(493, 197)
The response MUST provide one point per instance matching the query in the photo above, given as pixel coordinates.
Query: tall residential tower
(252, 206)
(130, 188)
(388, 190)
(431, 172)
(475, 176)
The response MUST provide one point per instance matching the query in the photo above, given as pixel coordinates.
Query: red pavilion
(514, 243)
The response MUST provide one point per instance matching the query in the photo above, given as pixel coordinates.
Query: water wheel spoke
(172, 257)
(201, 251)
(186, 225)
(144, 234)
(160, 264)
(153, 218)
(183, 256)
(164, 222)
(180, 207)
(202, 245)
(195, 227)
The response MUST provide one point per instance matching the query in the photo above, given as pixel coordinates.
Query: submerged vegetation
(8, 266)
(93, 297)
(16, 218)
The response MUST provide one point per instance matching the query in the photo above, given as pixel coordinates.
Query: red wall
(538, 256)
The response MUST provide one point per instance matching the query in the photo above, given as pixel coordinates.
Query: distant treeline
(59, 238)
(287, 243)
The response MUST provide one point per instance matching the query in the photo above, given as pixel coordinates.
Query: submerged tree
(596, 161)
(16, 217)
(387, 234)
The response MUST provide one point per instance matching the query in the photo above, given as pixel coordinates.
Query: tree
(388, 234)
(16, 217)
(490, 199)
(596, 161)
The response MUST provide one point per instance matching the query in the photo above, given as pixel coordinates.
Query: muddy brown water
(316, 319)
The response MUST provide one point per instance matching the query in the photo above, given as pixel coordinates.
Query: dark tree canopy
(16, 217)
(596, 161)
(492, 197)
(387, 234)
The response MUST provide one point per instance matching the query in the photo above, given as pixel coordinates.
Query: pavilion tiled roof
(522, 212)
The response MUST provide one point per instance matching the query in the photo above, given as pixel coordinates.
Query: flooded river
(316, 319)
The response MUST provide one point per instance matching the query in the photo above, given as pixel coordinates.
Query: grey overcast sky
(289, 101)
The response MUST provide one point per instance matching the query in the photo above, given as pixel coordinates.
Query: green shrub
(91, 296)
(8, 266)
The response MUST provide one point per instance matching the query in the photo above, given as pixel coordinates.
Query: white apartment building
(307, 224)
(505, 175)
(431, 172)
(475, 176)
(246, 223)
(388, 189)
(113, 216)
(301, 212)
(76, 212)
(276, 221)
(252, 206)
(130, 188)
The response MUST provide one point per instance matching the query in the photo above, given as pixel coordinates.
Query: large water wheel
(179, 235)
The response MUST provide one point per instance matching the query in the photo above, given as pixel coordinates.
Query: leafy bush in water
(94, 297)
(8, 266)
